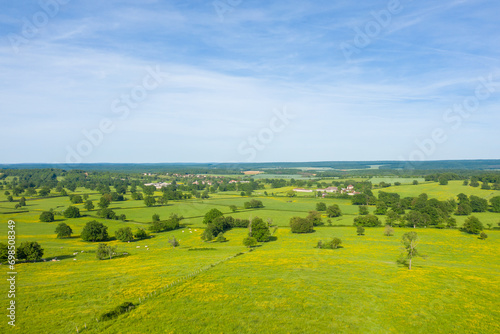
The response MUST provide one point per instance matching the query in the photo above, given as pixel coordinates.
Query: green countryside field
(285, 285)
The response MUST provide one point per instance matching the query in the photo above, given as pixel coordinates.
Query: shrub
(104, 251)
(367, 221)
(106, 213)
(156, 217)
(63, 230)
(388, 231)
(253, 204)
(140, 234)
(301, 225)
(334, 243)
(47, 217)
(221, 238)
(123, 308)
(483, 236)
(320, 206)
(363, 210)
(315, 218)
(360, 230)
(72, 212)
(173, 241)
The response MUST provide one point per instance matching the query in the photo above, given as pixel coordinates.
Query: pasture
(282, 286)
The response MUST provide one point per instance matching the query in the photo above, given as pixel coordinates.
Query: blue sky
(243, 81)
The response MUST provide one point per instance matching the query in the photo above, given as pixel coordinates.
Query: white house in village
(301, 190)
(158, 185)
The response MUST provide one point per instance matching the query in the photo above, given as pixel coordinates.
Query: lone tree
(141, 234)
(95, 231)
(301, 225)
(149, 201)
(333, 211)
(388, 231)
(472, 225)
(483, 236)
(250, 242)
(363, 210)
(360, 230)
(72, 212)
(410, 242)
(30, 251)
(320, 206)
(88, 205)
(104, 251)
(63, 231)
(124, 234)
(47, 217)
(173, 241)
(259, 229)
(156, 217)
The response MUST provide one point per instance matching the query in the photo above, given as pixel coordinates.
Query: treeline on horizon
(285, 168)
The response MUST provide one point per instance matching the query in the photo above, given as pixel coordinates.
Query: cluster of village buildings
(160, 185)
(349, 190)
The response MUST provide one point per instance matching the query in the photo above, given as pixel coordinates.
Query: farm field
(282, 286)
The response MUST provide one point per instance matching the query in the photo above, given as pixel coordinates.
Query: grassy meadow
(282, 286)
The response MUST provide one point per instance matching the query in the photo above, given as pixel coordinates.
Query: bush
(124, 234)
(363, 210)
(47, 217)
(483, 236)
(253, 204)
(94, 231)
(211, 215)
(360, 230)
(331, 244)
(472, 225)
(301, 225)
(156, 217)
(367, 221)
(315, 218)
(221, 238)
(173, 241)
(29, 251)
(388, 231)
(320, 206)
(106, 213)
(72, 212)
(140, 234)
(63, 231)
(123, 308)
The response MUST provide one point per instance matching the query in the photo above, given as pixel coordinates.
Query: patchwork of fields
(283, 286)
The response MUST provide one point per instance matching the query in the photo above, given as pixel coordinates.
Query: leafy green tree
(140, 234)
(259, 229)
(410, 243)
(463, 209)
(363, 210)
(149, 201)
(4, 252)
(29, 251)
(22, 201)
(483, 236)
(301, 225)
(334, 243)
(122, 217)
(137, 196)
(156, 217)
(233, 208)
(443, 180)
(415, 182)
(47, 217)
(250, 242)
(417, 219)
(320, 206)
(367, 221)
(381, 208)
(72, 212)
(124, 234)
(149, 190)
(94, 231)
(472, 225)
(88, 205)
(104, 202)
(44, 192)
(10, 199)
(315, 218)
(333, 211)
(104, 251)
(388, 231)
(253, 204)
(76, 199)
(106, 213)
(360, 230)
(211, 215)
(495, 204)
(63, 231)
(478, 204)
